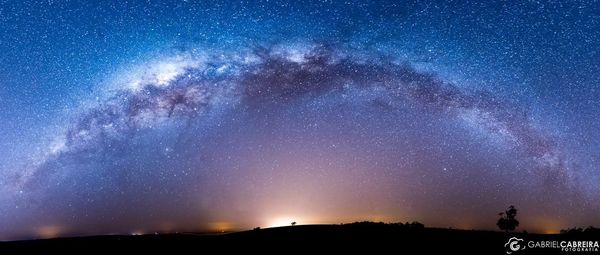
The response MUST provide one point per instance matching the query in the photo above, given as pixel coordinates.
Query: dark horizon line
(241, 230)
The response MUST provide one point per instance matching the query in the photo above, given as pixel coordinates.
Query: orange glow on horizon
(222, 226)
(49, 231)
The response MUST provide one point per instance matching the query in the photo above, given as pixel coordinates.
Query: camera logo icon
(514, 244)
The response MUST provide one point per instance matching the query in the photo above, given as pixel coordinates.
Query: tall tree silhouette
(508, 221)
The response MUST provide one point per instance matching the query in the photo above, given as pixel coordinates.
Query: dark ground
(363, 237)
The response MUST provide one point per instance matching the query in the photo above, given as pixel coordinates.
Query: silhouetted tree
(508, 221)
(294, 223)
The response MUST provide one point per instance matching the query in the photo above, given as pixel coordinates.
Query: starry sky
(162, 116)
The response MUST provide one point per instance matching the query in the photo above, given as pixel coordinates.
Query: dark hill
(357, 237)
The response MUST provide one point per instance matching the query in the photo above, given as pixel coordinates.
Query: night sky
(147, 116)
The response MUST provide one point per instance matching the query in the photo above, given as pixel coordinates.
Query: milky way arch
(170, 95)
(264, 76)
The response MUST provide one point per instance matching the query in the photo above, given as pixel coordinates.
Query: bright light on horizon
(281, 222)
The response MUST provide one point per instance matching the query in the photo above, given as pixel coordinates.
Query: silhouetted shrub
(416, 225)
(578, 231)
(592, 230)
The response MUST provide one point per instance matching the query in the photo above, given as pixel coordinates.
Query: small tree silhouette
(294, 223)
(507, 221)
